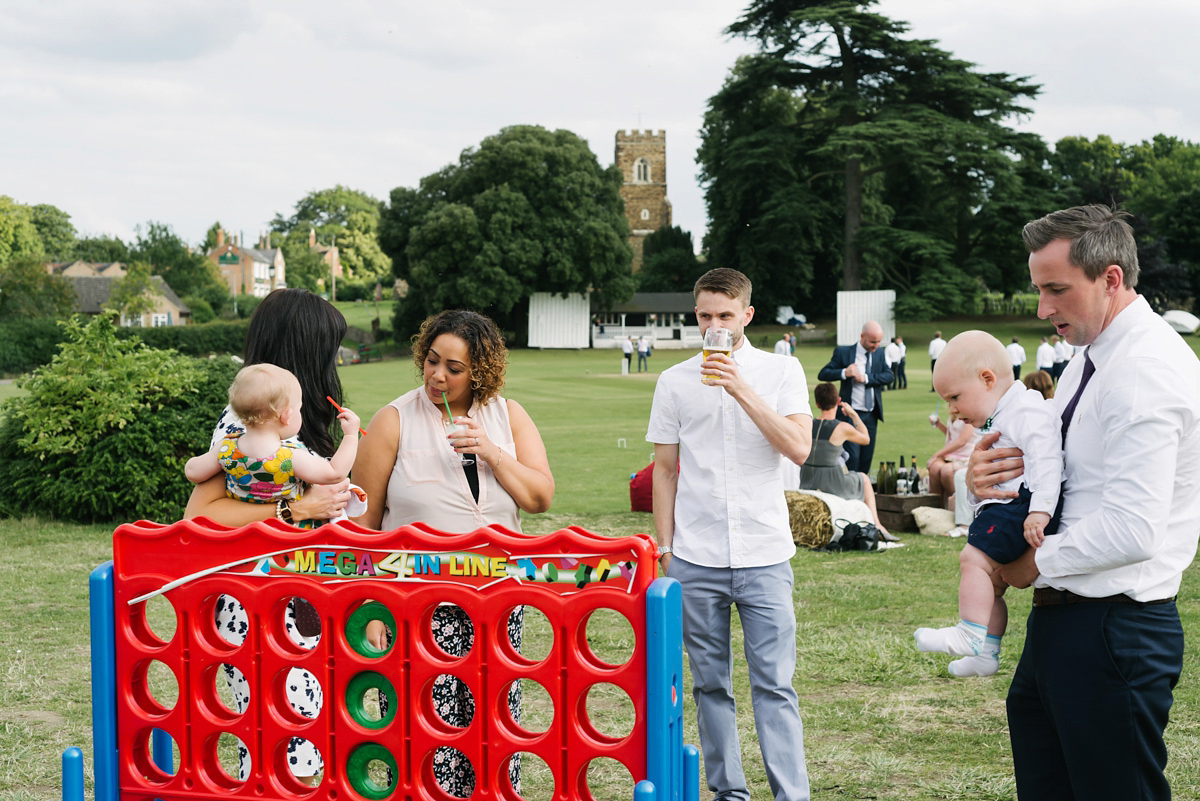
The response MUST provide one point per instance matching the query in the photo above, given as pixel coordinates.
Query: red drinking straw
(340, 409)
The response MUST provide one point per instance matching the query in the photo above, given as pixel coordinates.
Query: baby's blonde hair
(972, 351)
(260, 393)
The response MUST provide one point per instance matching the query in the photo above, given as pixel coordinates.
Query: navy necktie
(1069, 411)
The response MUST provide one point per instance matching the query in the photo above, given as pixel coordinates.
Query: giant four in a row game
(148, 746)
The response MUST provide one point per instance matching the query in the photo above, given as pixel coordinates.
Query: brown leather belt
(1048, 596)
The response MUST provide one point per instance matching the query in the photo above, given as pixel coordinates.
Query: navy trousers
(1090, 700)
(861, 455)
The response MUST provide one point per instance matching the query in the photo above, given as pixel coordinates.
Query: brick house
(93, 292)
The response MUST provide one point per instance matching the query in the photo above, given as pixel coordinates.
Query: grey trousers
(764, 599)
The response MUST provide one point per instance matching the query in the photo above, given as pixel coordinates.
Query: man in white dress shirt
(722, 525)
(1044, 357)
(935, 349)
(1016, 353)
(1104, 646)
(784, 346)
(1062, 354)
(891, 355)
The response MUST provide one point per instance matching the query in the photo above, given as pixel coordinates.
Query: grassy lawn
(881, 720)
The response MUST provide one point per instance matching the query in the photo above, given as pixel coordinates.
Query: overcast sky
(192, 111)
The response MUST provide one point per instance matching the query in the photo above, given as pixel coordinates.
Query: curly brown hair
(485, 347)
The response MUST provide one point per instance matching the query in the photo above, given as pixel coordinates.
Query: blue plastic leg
(160, 745)
(72, 774)
(691, 773)
(644, 791)
(104, 682)
(664, 687)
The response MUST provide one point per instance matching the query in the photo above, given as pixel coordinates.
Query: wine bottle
(881, 479)
(914, 476)
(902, 478)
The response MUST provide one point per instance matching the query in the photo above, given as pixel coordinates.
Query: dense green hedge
(105, 429)
(27, 343)
(194, 340)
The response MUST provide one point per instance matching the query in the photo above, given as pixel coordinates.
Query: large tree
(100, 249)
(339, 216)
(186, 271)
(1157, 182)
(18, 234)
(669, 262)
(529, 210)
(27, 290)
(57, 233)
(839, 120)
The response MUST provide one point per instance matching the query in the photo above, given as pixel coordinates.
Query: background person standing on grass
(1104, 646)
(863, 372)
(935, 349)
(891, 355)
(719, 507)
(643, 348)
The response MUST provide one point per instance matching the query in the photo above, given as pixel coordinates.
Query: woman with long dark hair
(300, 332)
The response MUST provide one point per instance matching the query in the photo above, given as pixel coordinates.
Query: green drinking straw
(449, 413)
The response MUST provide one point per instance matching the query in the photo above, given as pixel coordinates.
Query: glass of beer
(716, 340)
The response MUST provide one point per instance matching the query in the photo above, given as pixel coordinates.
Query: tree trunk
(851, 274)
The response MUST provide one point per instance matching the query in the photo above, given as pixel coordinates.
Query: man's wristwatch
(665, 549)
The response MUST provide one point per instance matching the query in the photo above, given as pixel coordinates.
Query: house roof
(94, 291)
(653, 303)
(258, 254)
(96, 267)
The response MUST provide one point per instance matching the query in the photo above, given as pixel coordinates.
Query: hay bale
(809, 518)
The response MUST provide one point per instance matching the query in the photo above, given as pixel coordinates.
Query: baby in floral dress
(265, 463)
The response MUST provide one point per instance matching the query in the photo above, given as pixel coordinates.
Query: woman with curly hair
(414, 471)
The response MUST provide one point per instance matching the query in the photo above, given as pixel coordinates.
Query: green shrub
(356, 290)
(105, 428)
(201, 309)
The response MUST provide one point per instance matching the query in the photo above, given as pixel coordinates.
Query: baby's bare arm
(203, 467)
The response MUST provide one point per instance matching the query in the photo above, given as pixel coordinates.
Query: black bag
(856, 537)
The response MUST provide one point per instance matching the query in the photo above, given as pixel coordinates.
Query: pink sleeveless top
(428, 484)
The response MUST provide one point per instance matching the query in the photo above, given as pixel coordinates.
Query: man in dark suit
(864, 373)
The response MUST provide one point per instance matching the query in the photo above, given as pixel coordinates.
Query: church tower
(642, 158)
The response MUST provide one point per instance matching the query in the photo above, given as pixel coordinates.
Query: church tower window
(641, 171)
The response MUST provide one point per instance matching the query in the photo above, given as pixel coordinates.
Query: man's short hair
(1099, 236)
(726, 281)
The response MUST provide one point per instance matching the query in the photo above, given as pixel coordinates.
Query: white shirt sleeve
(1144, 411)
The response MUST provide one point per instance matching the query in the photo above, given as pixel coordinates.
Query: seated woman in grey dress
(824, 470)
